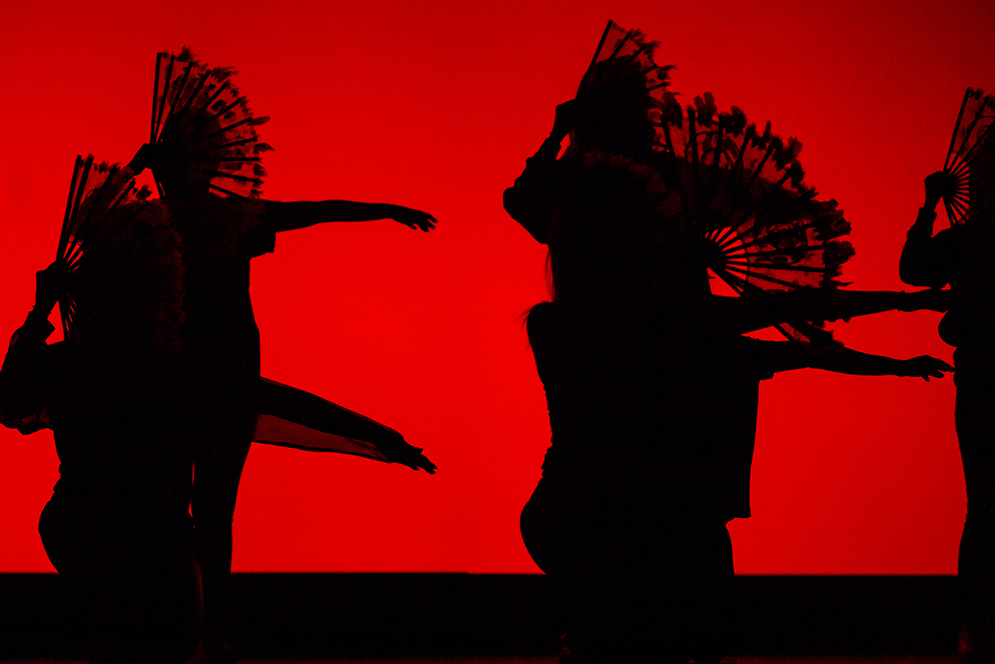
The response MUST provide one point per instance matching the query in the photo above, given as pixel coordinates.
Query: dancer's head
(601, 241)
(611, 113)
(204, 132)
(127, 286)
(620, 240)
(183, 171)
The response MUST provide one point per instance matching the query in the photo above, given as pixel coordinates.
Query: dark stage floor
(374, 618)
(907, 659)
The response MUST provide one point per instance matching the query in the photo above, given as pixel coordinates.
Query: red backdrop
(436, 104)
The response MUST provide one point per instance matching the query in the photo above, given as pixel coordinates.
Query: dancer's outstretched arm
(844, 360)
(788, 355)
(745, 314)
(294, 418)
(301, 214)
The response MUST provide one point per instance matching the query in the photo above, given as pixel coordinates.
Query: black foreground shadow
(458, 615)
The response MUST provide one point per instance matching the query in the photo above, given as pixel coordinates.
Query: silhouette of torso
(113, 413)
(961, 256)
(220, 237)
(220, 342)
(724, 395)
(583, 369)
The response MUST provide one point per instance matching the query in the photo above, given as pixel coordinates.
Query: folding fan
(758, 227)
(742, 193)
(126, 269)
(973, 127)
(624, 53)
(203, 131)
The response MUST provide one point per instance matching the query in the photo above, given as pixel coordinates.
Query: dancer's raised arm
(924, 257)
(532, 199)
(26, 376)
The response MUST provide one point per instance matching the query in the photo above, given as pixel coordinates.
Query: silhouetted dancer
(117, 527)
(204, 146)
(962, 256)
(618, 517)
(598, 510)
(220, 236)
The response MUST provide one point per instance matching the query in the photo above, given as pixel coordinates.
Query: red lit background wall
(436, 105)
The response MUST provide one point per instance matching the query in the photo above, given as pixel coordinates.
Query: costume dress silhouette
(227, 396)
(117, 527)
(221, 342)
(205, 156)
(962, 256)
(596, 349)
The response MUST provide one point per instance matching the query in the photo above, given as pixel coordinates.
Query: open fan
(618, 47)
(126, 270)
(623, 68)
(203, 131)
(974, 123)
(742, 193)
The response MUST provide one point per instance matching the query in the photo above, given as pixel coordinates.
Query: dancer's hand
(415, 460)
(564, 120)
(50, 284)
(398, 450)
(938, 185)
(925, 367)
(142, 159)
(411, 456)
(413, 218)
